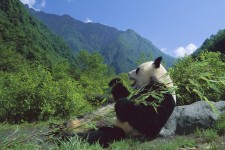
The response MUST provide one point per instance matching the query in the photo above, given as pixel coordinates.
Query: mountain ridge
(30, 37)
(215, 43)
(65, 22)
(121, 49)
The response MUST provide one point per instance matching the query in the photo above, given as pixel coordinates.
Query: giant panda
(135, 119)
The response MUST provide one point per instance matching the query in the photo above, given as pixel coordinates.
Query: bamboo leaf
(211, 104)
(222, 81)
(194, 82)
(204, 78)
(187, 88)
(214, 88)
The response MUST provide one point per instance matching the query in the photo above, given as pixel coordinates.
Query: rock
(186, 119)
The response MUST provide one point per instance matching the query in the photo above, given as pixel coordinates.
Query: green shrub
(220, 125)
(92, 74)
(201, 78)
(29, 91)
(33, 94)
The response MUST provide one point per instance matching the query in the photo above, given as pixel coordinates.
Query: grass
(130, 144)
(24, 136)
(212, 146)
(27, 137)
(16, 137)
(158, 144)
(76, 144)
(207, 135)
(220, 125)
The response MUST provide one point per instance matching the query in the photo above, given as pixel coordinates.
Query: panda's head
(148, 72)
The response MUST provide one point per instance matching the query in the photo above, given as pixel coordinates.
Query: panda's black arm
(118, 89)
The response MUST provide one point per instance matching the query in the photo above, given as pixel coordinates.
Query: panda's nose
(129, 74)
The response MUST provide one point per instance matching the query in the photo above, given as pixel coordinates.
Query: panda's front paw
(118, 90)
(114, 82)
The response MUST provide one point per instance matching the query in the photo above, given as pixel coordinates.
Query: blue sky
(174, 26)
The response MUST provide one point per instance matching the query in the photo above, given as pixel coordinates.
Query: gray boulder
(186, 119)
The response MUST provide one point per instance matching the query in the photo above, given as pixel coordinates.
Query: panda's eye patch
(137, 70)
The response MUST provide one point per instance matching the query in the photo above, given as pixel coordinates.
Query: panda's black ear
(157, 62)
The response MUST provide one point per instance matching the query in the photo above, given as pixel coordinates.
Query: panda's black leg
(104, 135)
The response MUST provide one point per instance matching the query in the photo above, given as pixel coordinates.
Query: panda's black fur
(143, 118)
(118, 89)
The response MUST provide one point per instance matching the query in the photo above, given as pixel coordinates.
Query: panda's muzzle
(133, 80)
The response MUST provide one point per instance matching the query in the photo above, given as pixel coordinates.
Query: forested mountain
(39, 78)
(214, 43)
(30, 38)
(121, 49)
(128, 47)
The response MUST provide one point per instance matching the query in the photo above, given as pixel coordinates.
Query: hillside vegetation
(199, 78)
(40, 77)
(120, 49)
(216, 43)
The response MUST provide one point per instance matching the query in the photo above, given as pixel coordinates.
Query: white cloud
(88, 20)
(30, 3)
(189, 49)
(164, 50)
(43, 3)
(35, 4)
(180, 52)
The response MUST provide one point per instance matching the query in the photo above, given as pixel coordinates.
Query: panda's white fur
(142, 77)
(148, 70)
